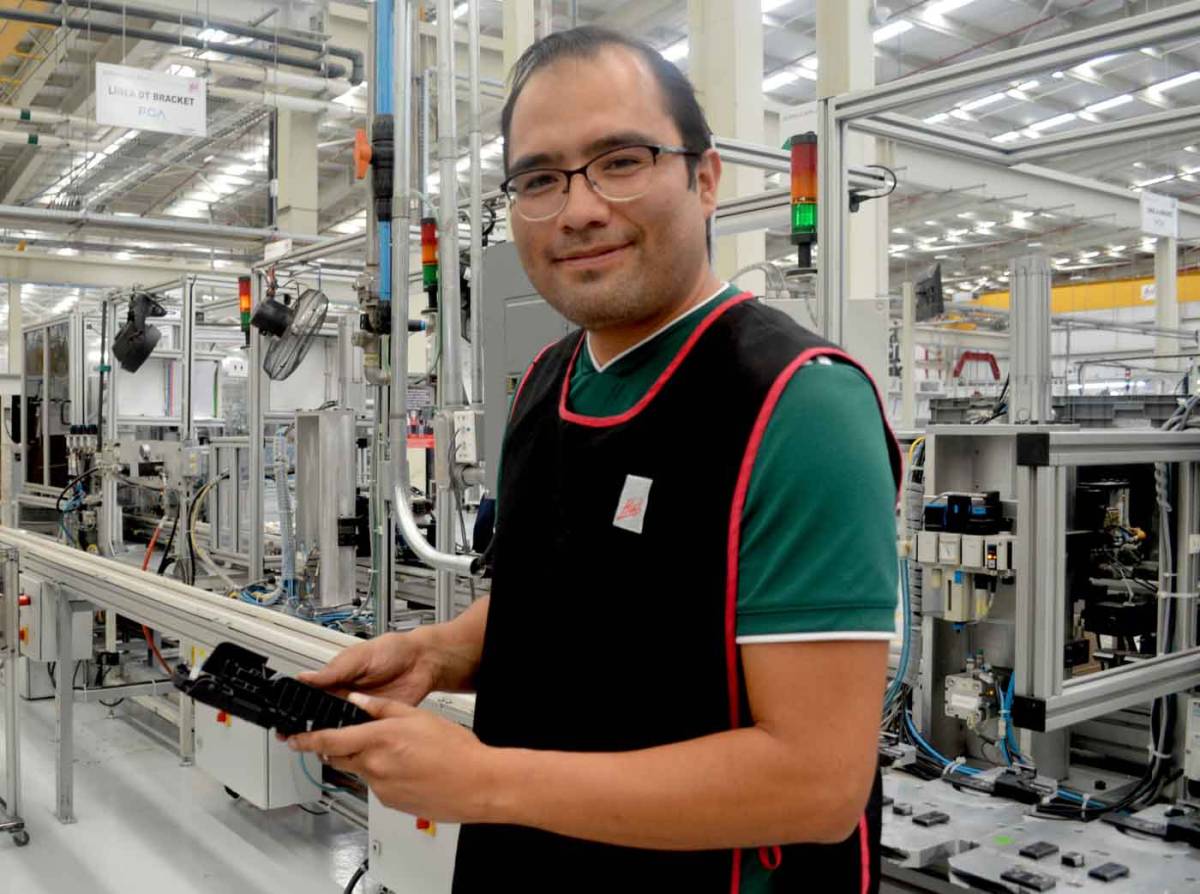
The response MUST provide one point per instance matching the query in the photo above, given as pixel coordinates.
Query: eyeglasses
(619, 175)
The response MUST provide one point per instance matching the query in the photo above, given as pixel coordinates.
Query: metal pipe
(37, 18)
(476, 202)
(284, 101)
(450, 392)
(174, 226)
(43, 116)
(402, 202)
(254, 413)
(238, 29)
(32, 138)
(266, 74)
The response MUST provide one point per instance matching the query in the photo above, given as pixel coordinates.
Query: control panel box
(37, 620)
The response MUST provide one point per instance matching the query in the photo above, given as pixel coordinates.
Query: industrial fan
(290, 327)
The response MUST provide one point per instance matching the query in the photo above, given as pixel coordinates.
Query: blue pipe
(384, 25)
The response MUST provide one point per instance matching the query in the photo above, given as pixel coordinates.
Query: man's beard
(596, 302)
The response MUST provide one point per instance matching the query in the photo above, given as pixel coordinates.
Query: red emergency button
(24, 600)
(422, 823)
(222, 717)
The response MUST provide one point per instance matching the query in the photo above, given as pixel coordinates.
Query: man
(681, 665)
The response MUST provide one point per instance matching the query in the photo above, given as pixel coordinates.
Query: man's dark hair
(588, 40)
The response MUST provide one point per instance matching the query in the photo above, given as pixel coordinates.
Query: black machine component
(900, 809)
(1074, 859)
(238, 681)
(1034, 881)
(929, 299)
(1038, 850)
(1109, 872)
(963, 513)
(932, 818)
(135, 341)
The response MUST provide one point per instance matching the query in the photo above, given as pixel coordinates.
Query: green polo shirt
(817, 559)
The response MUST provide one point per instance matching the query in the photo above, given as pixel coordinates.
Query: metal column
(10, 803)
(64, 707)
(908, 373)
(254, 413)
(1029, 386)
(188, 348)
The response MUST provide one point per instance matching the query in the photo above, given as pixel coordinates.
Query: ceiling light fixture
(675, 51)
(892, 29)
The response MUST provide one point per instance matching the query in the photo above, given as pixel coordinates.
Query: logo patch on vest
(631, 508)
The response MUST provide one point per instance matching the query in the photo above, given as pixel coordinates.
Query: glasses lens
(538, 194)
(622, 173)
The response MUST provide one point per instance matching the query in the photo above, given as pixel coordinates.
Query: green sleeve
(818, 547)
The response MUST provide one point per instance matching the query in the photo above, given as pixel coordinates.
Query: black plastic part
(1077, 652)
(1034, 881)
(272, 317)
(1074, 859)
(900, 809)
(135, 341)
(1038, 850)
(382, 162)
(932, 818)
(347, 529)
(1012, 786)
(238, 681)
(1029, 713)
(1109, 872)
(1033, 449)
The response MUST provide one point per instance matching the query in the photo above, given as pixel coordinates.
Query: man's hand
(412, 759)
(406, 667)
(393, 666)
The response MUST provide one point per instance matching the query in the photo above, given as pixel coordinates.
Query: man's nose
(585, 207)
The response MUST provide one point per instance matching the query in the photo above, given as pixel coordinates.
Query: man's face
(602, 263)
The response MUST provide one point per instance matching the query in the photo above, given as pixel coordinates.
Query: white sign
(1160, 215)
(1148, 291)
(276, 249)
(150, 100)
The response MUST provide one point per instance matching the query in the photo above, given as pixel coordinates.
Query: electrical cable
(354, 879)
(58, 507)
(330, 789)
(198, 551)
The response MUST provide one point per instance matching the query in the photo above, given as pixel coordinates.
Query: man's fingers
(334, 742)
(380, 707)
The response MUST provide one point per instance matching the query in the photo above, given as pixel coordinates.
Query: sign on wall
(150, 100)
(1160, 215)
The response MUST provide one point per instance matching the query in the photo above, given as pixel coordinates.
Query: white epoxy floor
(146, 825)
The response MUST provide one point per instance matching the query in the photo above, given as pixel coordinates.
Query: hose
(354, 879)
(198, 550)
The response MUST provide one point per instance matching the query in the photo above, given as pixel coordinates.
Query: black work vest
(601, 637)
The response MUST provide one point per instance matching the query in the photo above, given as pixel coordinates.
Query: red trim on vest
(664, 377)
(865, 848)
(735, 876)
(525, 378)
(734, 547)
(770, 857)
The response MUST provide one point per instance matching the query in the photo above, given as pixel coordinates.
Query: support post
(12, 477)
(64, 706)
(908, 375)
(1030, 382)
(9, 626)
(725, 65)
(187, 337)
(254, 412)
(1166, 299)
(846, 49)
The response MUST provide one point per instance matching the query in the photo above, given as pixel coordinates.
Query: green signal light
(804, 217)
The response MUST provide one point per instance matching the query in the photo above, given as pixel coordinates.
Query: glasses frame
(569, 173)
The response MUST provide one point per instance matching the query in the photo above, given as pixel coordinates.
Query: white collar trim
(653, 335)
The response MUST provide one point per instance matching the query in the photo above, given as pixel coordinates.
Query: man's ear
(708, 179)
